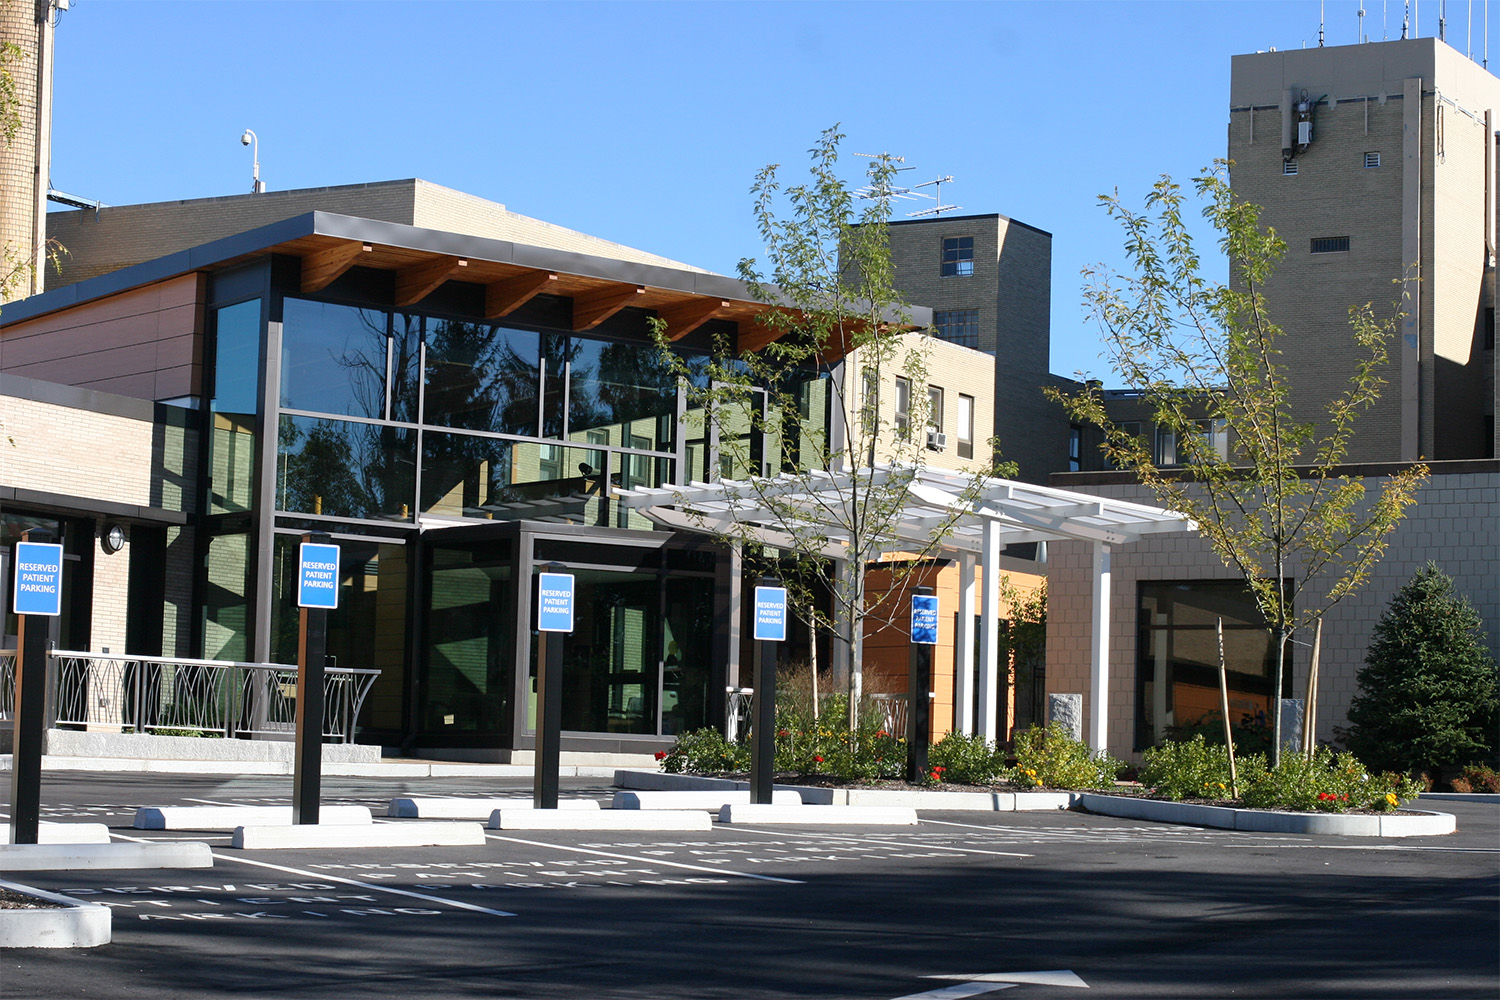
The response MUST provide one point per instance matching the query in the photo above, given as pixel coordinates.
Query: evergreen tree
(1427, 696)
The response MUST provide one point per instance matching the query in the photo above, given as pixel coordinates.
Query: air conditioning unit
(937, 440)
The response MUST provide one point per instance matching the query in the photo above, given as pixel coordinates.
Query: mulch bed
(20, 901)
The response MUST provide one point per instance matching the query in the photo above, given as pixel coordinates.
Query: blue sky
(644, 123)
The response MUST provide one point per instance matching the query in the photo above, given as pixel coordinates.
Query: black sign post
(317, 592)
(770, 629)
(554, 619)
(919, 682)
(38, 597)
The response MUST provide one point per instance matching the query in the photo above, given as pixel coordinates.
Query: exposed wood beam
(415, 283)
(682, 318)
(593, 308)
(322, 268)
(501, 298)
(754, 335)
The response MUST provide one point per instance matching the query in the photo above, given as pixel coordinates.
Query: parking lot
(1040, 903)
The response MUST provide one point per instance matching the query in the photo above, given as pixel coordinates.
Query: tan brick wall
(1455, 523)
(19, 173)
(130, 234)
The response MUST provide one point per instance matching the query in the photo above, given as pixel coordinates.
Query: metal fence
(154, 694)
(737, 712)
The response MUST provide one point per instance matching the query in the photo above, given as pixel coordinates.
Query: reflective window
(234, 404)
(333, 358)
(958, 326)
(965, 426)
(470, 633)
(226, 606)
(339, 468)
(482, 377)
(958, 256)
(623, 390)
(465, 475)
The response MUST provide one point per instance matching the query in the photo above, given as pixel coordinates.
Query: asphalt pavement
(965, 904)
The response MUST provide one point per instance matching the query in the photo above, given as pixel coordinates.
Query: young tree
(1427, 696)
(837, 330)
(1205, 358)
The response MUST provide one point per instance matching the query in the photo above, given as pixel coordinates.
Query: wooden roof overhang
(422, 260)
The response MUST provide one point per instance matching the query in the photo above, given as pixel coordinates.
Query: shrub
(1252, 733)
(1477, 778)
(1051, 758)
(1323, 782)
(1192, 768)
(967, 760)
(705, 751)
(1427, 698)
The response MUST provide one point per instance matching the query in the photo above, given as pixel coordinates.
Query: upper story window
(1075, 448)
(958, 256)
(870, 410)
(958, 326)
(1330, 244)
(903, 406)
(965, 426)
(936, 439)
(1372, 160)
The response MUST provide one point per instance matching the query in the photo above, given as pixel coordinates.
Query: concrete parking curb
(686, 820)
(817, 815)
(64, 833)
(710, 799)
(475, 808)
(915, 798)
(1408, 824)
(80, 857)
(72, 923)
(275, 838)
(400, 769)
(229, 817)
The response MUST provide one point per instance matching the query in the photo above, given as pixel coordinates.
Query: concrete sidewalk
(387, 768)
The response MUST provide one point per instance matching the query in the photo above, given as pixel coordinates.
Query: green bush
(1051, 758)
(1323, 782)
(705, 751)
(966, 760)
(1252, 733)
(1192, 768)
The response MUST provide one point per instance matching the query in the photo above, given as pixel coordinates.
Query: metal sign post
(38, 596)
(317, 594)
(924, 627)
(554, 619)
(770, 628)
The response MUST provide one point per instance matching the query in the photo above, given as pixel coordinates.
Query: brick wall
(1456, 523)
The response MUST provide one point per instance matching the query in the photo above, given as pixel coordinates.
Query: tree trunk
(812, 657)
(1281, 637)
(1310, 706)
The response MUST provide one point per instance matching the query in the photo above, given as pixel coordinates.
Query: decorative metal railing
(155, 694)
(737, 712)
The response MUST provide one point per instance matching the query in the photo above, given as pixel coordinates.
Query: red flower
(882, 733)
(818, 759)
(661, 755)
(782, 732)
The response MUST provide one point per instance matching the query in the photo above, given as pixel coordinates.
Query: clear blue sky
(644, 123)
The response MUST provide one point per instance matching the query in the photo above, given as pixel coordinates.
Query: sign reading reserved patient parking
(924, 619)
(38, 582)
(554, 602)
(770, 614)
(318, 576)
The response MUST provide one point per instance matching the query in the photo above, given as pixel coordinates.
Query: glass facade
(383, 418)
(1177, 670)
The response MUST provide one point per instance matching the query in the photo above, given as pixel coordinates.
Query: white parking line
(647, 861)
(884, 843)
(324, 876)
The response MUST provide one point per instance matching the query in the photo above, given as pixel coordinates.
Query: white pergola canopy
(979, 515)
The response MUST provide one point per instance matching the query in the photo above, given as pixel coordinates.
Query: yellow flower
(1221, 784)
(1390, 798)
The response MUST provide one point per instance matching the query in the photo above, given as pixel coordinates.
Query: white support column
(963, 648)
(1098, 730)
(987, 725)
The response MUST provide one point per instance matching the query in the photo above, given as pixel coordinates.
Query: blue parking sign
(554, 602)
(318, 576)
(924, 619)
(770, 614)
(38, 579)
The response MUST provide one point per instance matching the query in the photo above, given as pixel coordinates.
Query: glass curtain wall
(1177, 660)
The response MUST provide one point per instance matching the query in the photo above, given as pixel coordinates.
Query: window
(958, 326)
(1132, 428)
(1289, 168)
(958, 256)
(1166, 446)
(870, 405)
(935, 438)
(965, 426)
(1075, 448)
(1372, 160)
(903, 407)
(1330, 244)
(1489, 328)
(1215, 437)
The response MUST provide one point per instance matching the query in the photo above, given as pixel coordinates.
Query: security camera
(245, 139)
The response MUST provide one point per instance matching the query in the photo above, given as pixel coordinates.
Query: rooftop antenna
(1320, 23)
(940, 207)
(1406, 19)
(257, 186)
(869, 192)
(1360, 38)
(1385, 13)
(1442, 20)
